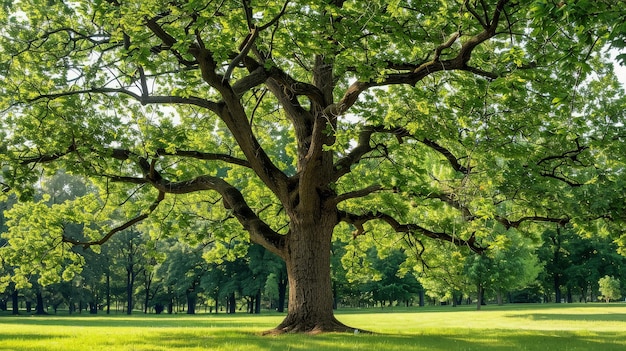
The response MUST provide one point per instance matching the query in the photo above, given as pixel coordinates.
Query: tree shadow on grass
(234, 340)
(597, 317)
(483, 341)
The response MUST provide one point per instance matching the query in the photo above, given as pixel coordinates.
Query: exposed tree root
(311, 328)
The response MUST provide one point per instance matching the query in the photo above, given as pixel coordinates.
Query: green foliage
(224, 123)
(610, 288)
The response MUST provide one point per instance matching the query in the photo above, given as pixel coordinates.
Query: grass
(512, 327)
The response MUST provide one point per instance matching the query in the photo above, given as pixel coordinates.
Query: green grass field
(511, 327)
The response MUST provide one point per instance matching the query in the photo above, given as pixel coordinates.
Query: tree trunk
(232, 303)
(282, 291)
(191, 302)
(569, 295)
(480, 292)
(93, 307)
(557, 288)
(217, 303)
(39, 308)
(130, 282)
(148, 284)
(257, 303)
(307, 257)
(15, 302)
(108, 291)
(500, 298)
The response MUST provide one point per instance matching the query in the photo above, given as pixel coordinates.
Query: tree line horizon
(134, 273)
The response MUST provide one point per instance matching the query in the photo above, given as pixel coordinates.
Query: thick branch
(343, 165)
(143, 99)
(356, 193)
(48, 158)
(515, 224)
(260, 232)
(359, 220)
(207, 156)
(569, 182)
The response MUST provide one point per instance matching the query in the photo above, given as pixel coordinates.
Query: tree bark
(307, 257)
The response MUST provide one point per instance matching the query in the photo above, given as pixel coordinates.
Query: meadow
(510, 327)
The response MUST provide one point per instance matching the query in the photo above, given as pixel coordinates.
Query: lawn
(511, 327)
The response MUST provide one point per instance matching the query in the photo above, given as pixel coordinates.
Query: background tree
(610, 288)
(275, 111)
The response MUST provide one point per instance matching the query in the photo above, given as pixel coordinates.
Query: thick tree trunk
(307, 257)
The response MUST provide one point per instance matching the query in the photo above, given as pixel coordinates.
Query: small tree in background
(609, 288)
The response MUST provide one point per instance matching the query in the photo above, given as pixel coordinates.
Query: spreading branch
(126, 225)
(260, 232)
(356, 193)
(423, 70)
(515, 224)
(363, 147)
(143, 98)
(359, 220)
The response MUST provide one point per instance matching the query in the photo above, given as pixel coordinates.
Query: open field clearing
(512, 327)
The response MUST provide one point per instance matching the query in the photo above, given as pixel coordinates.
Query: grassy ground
(511, 327)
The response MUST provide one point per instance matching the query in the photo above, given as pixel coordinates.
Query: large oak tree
(439, 119)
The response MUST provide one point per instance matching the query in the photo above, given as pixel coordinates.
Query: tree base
(312, 328)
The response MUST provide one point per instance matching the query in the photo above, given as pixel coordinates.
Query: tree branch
(454, 161)
(515, 224)
(343, 165)
(260, 232)
(356, 194)
(359, 220)
(127, 224)
(207, 156)
(420, 72)
(144, 100)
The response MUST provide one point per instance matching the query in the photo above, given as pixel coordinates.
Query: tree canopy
(285, 122)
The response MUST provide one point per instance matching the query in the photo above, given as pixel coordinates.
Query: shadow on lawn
(437, 342)
(235, 340)
(595, 317)
(138, 321)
